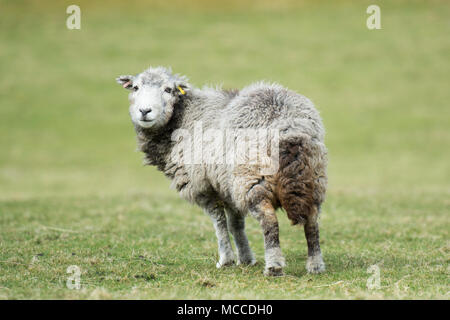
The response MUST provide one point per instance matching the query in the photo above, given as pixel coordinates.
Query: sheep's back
(272, 106)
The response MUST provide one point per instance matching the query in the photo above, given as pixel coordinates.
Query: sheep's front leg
(236, 224)
(226, 254)
(265, 214)
(315, 263)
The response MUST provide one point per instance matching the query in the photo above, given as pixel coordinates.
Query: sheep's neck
(157, 145)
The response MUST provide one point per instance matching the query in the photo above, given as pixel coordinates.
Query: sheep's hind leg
(315, 263)
(265, 214)
(226, 254)
(236, 224)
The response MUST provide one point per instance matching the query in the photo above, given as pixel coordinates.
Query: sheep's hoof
(274, 262)
(276, 271)
(225, 263)
(249, 261)
(315, 264)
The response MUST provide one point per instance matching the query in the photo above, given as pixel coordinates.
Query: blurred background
(383, 94)
(73, 190)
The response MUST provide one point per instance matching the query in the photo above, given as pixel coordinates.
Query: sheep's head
(153, 95)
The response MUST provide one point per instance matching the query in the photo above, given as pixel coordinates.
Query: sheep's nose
(145, 111)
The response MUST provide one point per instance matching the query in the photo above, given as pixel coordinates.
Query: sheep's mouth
(145, 120)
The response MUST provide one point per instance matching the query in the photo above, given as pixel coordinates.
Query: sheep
(166, 110)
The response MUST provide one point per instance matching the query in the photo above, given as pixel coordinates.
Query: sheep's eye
(168, 90)
(135, 88)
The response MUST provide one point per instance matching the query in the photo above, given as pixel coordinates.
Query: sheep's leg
(226, 254)
(315, 263)
(265, 214)
(236, 224)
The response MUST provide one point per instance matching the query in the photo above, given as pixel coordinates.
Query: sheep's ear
(182, 88)
(126, 81)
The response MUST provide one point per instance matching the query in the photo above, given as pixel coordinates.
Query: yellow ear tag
(181, 90)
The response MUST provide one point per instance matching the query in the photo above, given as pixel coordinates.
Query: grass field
(73, 190)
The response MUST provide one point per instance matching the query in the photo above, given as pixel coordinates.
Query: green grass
(73, 190)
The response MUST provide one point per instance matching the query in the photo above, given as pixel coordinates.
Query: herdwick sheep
(166, 111)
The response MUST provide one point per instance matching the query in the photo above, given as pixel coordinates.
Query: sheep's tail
(302, 178)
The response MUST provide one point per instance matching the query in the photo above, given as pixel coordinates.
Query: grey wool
(178, 126)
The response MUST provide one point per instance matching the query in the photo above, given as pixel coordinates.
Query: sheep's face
(153, 96)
